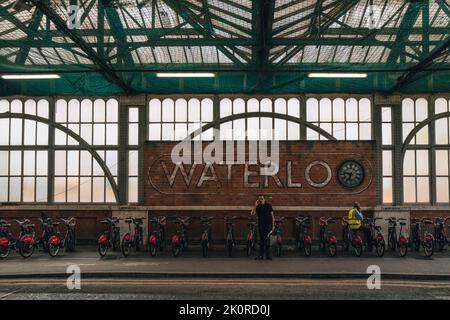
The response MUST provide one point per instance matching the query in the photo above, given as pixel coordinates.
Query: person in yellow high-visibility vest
(355, 217)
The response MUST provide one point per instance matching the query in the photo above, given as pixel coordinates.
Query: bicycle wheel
(26, 250)
(126, 248)
(403, 250)
(249, 248)
(53, 249)
(102, 249)
(428, 248)
(152, 248)
(278, 250)
(357, 249)
(380, 248)
(331, 249)
(71, 241)
(4, 252)
(176, 248)
(307, 249)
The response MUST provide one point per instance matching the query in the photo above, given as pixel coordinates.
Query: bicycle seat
(427, 222)
(403, 223)
(252, 223)
(105, 221)
(128, 220)
(55, 224)
(6, 225)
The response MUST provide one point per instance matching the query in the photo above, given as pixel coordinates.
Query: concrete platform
(192, 265)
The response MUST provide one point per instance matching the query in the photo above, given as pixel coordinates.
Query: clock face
(351, 174)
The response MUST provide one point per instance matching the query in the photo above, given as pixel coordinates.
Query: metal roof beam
(105, 68)
(33, 27)
(406, 77)
(263, 14)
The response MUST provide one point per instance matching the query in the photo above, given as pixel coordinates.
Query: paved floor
(192, 264)
(223, 289)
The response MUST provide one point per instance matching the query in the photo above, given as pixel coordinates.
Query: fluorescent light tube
(29, 76)
(337, 75)
(185, 75)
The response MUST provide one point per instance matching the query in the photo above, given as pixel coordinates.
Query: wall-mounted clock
(351, 174)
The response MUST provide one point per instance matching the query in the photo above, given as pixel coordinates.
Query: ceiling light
(185, 75)
(29, 76)
(337, 75)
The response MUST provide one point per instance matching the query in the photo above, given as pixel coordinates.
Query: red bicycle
(327, 239)
(26, 241)
(109, 238)
(180, 239)
(303, 239)
(157, 239)
(352, 237)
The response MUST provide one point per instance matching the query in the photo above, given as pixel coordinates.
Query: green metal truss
(253, 46)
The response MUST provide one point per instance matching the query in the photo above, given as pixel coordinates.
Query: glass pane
(30, 107)
(15, 163)
(133, 163)
(440, 105)
(60, 189)
(386, 133)
(408, 110)
(111, 134)
(15, 188)
(409, 190)
(421, 109)
(194, 110)
(226, 131)
(4, 163)
(73, 111)
(207, 110)
(312, 110)
(86, 133)
(16, 106)
(294, 107)
(387, 163)
(41, 163)
(441, 130)
(133, 134)
(99, 110)
(132, 190)
(422, 162)
(97, 170)
(338, 109)
(3, 189)
(280, 129)
(61, 111)
(351, 113)
(112, 110)
(76, 129)
(339, 130)
(111, 161)
(99, 134)
(442, 191)
(252, 105)
(386, 114)
(109, 193)
(225, 108)
(208, 135)
(41, 190)
(154, 132)
(266, 129)
(72, 189)
(365, 110)
(351, 131)
(29, 162)
(86, 110)
(192, 127)
(85, 163)
(4, 106)
(266, 105)
(280, 106)
(42, 134)
(407, 128)
(85, 189)
(441, 162)
(180, 131)
(98, 189)
(238, 106)
(4, 132)
(387, 190)
(60, 138)
(293, 131)
(60, 163)
(365, 131)
(155, 110)
(167, 110)
(168, 132)
(133, 115)
(409, 163)
(28, 189)
(239, 129)
(311, 134)
(72, 163)
(16, 132)
(422, 136)
(181, 110)
(325, 110)
(423, 190)
(29, 132)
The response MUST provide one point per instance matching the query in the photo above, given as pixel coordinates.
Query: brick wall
(230, 188)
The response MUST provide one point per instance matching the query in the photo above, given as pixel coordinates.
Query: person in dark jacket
(266, 223)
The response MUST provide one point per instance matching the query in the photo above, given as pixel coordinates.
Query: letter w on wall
(179, 167)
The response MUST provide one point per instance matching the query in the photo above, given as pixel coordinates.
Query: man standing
(265, 224)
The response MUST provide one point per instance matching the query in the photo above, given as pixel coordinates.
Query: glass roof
(255, 36)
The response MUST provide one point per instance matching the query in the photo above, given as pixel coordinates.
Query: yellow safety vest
(352, 220)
